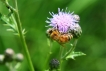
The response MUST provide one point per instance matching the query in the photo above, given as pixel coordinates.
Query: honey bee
(61, 38)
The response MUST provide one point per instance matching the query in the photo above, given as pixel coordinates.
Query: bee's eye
(50, 31)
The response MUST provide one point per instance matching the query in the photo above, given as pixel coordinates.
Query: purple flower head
(63, 21)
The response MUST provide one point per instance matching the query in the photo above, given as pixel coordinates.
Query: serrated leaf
(7, 21)
(11, 30)
(4, 18)
(24, 32)
(74, 54)
(10, 23)
(16, 34)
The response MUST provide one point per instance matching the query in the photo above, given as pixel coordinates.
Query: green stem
(50, 52)
(22, 38)
(21, 33)
(72, 48)
(61, 53)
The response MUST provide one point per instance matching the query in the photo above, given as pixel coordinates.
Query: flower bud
(77, 31)
(1, 59)
(76, 17)
(19, 57)
(9, 54)
(54, 64)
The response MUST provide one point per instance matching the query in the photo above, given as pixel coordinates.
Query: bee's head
(49, 31)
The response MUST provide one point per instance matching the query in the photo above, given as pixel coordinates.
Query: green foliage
(33, 14)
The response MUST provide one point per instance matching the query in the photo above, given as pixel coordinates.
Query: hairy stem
(49, 53)
(21, 35)
(22, 38)
(61, 53)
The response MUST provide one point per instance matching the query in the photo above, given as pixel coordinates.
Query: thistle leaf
(10, 23)
(74, 54)
(11, 30)
(24, 32)
(5, 19)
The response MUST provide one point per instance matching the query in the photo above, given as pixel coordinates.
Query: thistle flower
(63, 21)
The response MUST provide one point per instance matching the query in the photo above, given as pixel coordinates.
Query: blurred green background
(33, 14)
